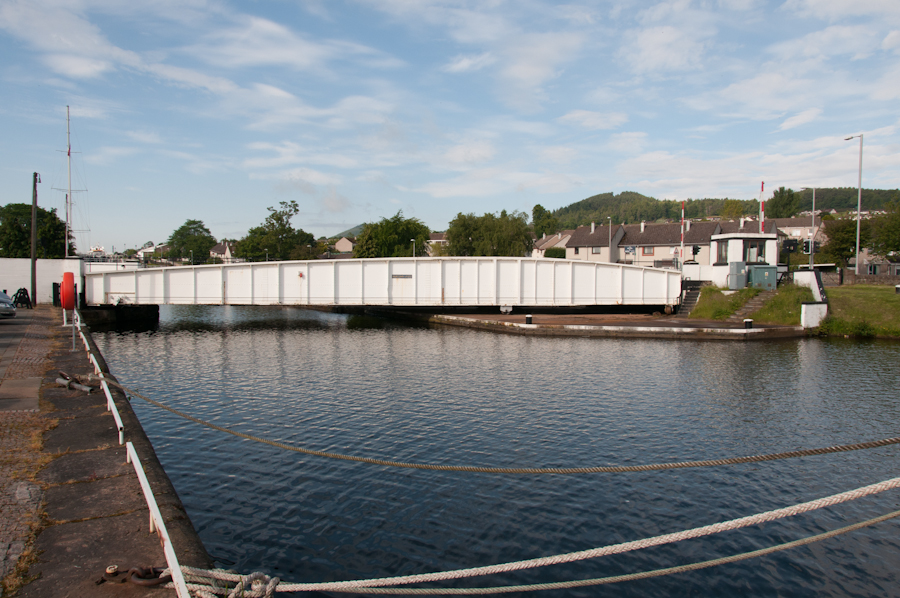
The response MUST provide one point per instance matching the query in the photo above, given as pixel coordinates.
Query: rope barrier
(522, 470)
(265, 586)
(367, 585)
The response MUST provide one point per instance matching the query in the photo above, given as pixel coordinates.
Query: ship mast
(69, 194)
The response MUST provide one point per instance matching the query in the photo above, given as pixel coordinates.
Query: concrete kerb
(602, 331)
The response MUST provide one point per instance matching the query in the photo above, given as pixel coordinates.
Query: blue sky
(356, 109)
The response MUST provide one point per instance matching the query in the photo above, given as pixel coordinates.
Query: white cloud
(841, 9)
(804, 117)
(594, 120)
(465, 64)
(144, 136)
(108, 155)
(259, 41)
(891, 41)
(858, 41)
(558, 154)
(628, 143)
(335, 202)
(474, 152)
(531, 60)
(664, 48)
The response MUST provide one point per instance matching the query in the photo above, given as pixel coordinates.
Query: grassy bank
(784, 308)
(715, 305)
(862, 310)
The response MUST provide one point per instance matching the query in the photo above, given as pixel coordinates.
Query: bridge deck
(421, 282)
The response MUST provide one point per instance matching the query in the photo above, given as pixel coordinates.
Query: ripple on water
(457, 396)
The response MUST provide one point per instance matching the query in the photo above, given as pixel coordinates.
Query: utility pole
(35, 180)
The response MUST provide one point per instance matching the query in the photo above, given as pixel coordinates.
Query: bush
(555, 252)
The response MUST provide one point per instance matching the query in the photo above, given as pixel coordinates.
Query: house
(223, 251)
(344, 245)
(556, 240)
(801, 229)
(436, 241)
(709, 246)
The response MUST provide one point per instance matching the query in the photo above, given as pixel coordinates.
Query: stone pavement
(70, 502)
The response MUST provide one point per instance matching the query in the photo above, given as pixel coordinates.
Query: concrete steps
(751, 306)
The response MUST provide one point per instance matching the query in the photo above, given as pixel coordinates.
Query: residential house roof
(553, 240)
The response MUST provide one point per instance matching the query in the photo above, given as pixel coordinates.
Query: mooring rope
(379, 585)
(521, 470)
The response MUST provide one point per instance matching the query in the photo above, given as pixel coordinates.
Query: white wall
(15, 273)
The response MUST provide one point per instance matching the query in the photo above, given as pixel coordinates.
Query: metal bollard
(748, 323)
(528, 319)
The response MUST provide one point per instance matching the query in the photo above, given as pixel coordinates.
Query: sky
(357, 109)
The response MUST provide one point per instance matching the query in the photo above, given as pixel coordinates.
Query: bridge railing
(392, 282)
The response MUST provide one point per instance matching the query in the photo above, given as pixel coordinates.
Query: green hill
(629, 207)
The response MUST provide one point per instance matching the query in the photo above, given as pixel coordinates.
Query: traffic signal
(790, 245)
(695, 249)
(806, 245)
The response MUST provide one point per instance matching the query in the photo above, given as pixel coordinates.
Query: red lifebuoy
(67, 291)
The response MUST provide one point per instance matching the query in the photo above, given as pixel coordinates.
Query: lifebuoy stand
(67, 291)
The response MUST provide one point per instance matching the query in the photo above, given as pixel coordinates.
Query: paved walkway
(69, 503)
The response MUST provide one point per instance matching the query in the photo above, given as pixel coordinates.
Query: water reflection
(449, 395)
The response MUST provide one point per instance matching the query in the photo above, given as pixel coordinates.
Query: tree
(841, 245)
(275, 238)
(885, 231)
(732, 209)
(191, 239)
(784, 204)
(506, 235)
(543, 221)
(392, 237)
(15, 233)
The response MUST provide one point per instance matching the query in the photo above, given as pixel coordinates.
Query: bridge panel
(392, 282)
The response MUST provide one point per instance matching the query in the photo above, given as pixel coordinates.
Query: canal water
(369, 387)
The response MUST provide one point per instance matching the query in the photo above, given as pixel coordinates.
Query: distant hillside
(351, 233)
(629, 207)
(843, 199)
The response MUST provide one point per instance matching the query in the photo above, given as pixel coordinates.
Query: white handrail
(110, 403)
(157, 524)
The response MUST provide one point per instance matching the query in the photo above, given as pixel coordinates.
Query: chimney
(559, 235)
(742, 223)
(687, 225)
(545, 236)
(642, 226)
(593, 226)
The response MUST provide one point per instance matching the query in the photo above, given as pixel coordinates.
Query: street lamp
(267, 255)
(192, 257)
(859, 197)
(414, 247)
(812, 241)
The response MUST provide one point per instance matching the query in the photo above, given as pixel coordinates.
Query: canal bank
(73, 505)
(638, 326)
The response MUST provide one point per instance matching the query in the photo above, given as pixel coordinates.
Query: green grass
(862, 310)
(784, 307)
(714, 305)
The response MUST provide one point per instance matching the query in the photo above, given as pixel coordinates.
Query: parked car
(7, 307)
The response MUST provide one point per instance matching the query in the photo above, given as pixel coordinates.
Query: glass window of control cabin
(721, 252)
(754, 250)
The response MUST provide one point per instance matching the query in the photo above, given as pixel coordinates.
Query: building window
(647, 250)
(595, 250)
(873, 269)
(721, 252)
(576, 251)
(754, 250)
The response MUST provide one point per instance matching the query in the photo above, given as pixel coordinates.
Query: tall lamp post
(414, 247)
(812, 241)
(35, 180)
(192, 257)
(859, 197)
(609, 242)
(267, 255)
